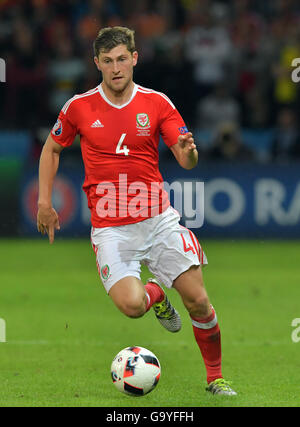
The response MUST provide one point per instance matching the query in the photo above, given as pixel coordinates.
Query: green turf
(63, 331)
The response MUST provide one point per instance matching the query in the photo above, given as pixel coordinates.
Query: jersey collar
(135, 88)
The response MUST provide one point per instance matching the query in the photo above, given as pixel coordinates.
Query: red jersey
(119, 145)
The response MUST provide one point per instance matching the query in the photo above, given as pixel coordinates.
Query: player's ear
(96, 60)
(135, 56)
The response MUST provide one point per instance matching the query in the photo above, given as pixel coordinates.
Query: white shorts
(161, 243)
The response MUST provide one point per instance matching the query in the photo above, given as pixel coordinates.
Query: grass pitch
(63, 331)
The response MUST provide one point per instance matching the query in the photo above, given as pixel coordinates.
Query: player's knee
(134, 307)
(199, 306)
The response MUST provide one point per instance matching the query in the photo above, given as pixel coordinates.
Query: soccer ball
(135, 371)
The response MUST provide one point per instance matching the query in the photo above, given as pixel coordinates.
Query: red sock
(208, 337)
(154, 294)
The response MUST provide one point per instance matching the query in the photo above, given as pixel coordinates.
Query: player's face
(117, 67)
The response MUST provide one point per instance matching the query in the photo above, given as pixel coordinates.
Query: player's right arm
(62, 135)
(47, 218)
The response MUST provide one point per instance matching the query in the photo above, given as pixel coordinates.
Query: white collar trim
(101, 91)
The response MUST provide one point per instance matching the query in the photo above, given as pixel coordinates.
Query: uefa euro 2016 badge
(183, 130)
(57, 128)
(143, 124)
(105, 272)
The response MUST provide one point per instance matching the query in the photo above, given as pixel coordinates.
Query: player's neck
(118, 97)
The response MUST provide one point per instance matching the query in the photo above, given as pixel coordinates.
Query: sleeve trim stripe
(150, 91)
(68, 103)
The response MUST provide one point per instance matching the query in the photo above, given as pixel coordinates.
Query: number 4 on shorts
(186, 247)
(123, 150)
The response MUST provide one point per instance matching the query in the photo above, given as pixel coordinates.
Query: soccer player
(119, 123)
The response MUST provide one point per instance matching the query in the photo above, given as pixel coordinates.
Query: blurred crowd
(225, 64)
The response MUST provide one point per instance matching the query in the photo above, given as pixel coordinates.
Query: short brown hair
(110, 37)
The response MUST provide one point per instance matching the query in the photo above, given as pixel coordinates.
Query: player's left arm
(185, 151)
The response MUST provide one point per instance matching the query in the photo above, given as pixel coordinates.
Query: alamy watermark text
(2, 330)
(2, 70)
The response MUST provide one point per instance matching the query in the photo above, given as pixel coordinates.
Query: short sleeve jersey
(119, 146)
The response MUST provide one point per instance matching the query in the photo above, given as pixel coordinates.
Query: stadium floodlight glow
(2, 70)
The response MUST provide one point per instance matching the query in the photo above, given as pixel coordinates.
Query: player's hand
(47, 222)
(186, 142)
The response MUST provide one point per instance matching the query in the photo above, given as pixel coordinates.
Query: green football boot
(166, 314)
(221, 386)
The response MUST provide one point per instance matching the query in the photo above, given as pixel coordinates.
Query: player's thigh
(116, 255)
(128, 294)
(174, 251)
(190, 286)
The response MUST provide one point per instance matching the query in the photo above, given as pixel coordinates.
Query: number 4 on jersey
(124, 150)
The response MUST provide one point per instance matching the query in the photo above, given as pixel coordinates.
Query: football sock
(208, 337)
(154, 294)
